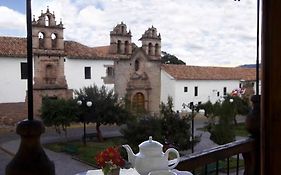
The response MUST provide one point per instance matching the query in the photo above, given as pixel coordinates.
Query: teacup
(162, 172)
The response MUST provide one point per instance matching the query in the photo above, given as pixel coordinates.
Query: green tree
(59, 113)
(139, 130)
(239, 106)
(211, 111)
(176, 130)
(168, 128)
(170, 59)
(226, 112)
(106, 107)
(223, 132)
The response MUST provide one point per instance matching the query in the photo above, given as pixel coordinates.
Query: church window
(157, 49)
(23, 69)
(87, 71)
(185, 89)
(218, 94)
(54, 40)
(41, 37)
(149, 49)
(119, 46)
(224, 90)
(110, 71)
(47, 20)
(138, 102)
(196, 91)
(137, 65)
(126, 47)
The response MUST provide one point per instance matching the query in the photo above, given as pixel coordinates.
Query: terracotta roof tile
(76, 50)
(183, 72)
(12, 47)
(16, 47)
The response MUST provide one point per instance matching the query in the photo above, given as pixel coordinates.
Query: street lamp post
(192, 127)
(191, 108)
(89, 105)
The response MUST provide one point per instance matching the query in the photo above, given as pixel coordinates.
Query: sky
(199, 32)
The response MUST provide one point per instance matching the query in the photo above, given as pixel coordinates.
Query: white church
(62, 66)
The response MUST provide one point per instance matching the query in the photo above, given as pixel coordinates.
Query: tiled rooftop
(12, 47)
(77, 50)
(16, 47)
(183, 72)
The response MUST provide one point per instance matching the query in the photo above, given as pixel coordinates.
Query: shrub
(222, 134)
(139, 130)
(168, 128)
(59, 113)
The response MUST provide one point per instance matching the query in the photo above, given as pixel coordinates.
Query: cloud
(11, 20)
(200, 32)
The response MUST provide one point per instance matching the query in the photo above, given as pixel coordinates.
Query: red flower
(100, 160)
(110, 157)
(119, 162)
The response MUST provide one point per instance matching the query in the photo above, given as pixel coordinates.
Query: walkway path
(64, 163)
(4, 159)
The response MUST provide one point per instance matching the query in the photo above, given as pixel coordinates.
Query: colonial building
(197, 84)
(134, 72)
(60, 66)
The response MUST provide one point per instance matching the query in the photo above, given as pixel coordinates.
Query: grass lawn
(85, 153)
(239, 129)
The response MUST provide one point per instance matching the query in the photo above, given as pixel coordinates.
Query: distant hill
(249, 66)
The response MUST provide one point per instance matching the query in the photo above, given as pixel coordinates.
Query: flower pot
(114, 171)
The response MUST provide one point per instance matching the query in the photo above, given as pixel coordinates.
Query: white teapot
(151, 157)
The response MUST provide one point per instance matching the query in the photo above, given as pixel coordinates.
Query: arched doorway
(138, 102)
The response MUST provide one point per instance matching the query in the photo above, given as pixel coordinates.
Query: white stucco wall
(167, 87)
(207, 90)
(12, 87)
(74, 72)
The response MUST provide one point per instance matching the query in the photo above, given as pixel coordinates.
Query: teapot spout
(131, 155)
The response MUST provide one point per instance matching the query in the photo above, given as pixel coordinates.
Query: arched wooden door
(138, 102)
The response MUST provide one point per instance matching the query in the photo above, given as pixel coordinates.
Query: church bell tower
(48, 49)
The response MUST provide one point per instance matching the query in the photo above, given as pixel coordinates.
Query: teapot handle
(173, 163)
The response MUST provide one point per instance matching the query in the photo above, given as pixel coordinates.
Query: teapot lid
(150, 144)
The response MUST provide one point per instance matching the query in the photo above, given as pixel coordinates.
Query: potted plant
(110, 161)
